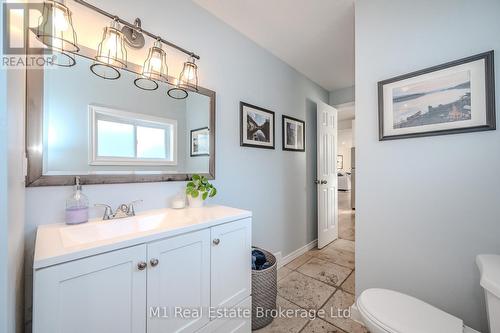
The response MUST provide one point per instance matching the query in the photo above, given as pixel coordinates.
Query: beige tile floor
(320, 279)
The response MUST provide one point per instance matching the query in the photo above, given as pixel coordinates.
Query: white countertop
(58, 243)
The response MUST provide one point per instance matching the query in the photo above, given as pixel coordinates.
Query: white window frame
(135, 119)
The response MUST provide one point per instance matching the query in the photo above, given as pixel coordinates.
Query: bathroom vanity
(158, 272)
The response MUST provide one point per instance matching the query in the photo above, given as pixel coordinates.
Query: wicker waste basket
(264, 292)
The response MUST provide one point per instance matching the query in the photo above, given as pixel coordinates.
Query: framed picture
(256, 126)
(340, 162)
(293, 134)
(200, 139)
(455, 97)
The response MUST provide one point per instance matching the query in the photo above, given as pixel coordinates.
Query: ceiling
(315, 37)
(346, 111)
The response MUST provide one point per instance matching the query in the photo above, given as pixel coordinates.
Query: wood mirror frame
(34, 139)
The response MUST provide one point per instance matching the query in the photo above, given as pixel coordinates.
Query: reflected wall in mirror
(109, 131)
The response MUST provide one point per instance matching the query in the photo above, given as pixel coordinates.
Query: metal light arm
(134, 27)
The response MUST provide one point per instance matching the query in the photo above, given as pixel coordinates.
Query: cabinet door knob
(216, 241)
(142, 266)
(324, 182)
(154, 262)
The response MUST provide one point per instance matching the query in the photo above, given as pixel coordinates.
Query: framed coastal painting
(256, 126)
(455, 97)
(200, 142)
(293, 134)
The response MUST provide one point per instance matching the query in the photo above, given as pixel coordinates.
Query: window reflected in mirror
(93, 126)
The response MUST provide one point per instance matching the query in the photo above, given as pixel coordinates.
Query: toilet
(388, 311)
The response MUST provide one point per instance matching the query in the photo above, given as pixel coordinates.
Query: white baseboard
(282, 261)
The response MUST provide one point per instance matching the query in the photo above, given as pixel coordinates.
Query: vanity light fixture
(189, 75)
(55, 30)
(155, 68)
(111, 53)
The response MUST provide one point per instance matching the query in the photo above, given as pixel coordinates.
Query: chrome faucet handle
(108, 211)
(130, 207)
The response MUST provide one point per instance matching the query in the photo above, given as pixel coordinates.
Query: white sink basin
(104, 230)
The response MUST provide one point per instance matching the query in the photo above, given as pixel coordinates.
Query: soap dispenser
(77, 206)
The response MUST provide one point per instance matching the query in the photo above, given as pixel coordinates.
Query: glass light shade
(177, 92)
(155, 69)
(55, 30)
(188, 79)
(111, 54)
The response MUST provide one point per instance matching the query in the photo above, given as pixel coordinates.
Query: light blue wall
(425, 207)
(341, 96)
(196, 117)
(3, 192)
(68, 117)
(11, 197)
(16, 198)
(276, 185)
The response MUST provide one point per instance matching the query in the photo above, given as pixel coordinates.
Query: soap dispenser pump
(77, 206)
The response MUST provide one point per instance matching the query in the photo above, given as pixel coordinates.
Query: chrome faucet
(123, 210)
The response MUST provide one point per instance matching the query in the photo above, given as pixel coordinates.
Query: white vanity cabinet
(231, 275)
(179, 277)
(161, 285)
(100, 294)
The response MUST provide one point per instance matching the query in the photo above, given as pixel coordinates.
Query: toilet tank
(489, 266)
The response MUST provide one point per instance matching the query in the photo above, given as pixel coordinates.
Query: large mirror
(110, 131)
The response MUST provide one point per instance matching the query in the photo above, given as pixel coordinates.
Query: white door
(327, 174)
(179, 277)
(100, 294)
(231, 263)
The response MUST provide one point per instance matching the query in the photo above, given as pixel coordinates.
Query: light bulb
(156, 63)
(111, 43)
(190, 73)
(60, 20)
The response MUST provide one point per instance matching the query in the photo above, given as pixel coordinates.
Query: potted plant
(198, 190)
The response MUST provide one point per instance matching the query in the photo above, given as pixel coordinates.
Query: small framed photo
(455, 97)
(294, 134)
(340, 162)
(200, 140)
(256, 126)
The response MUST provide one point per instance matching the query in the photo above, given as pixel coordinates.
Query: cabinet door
(100, 294)
(179, 278)
(241, 323)
(231, 263)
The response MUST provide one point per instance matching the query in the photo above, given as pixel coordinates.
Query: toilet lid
(399, 313)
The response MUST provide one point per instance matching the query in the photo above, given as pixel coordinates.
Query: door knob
(154, 262)
(142, 266)
(324, 182)
(316, 182)
(216, 241)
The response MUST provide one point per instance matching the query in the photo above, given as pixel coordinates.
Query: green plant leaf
(200, 185)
